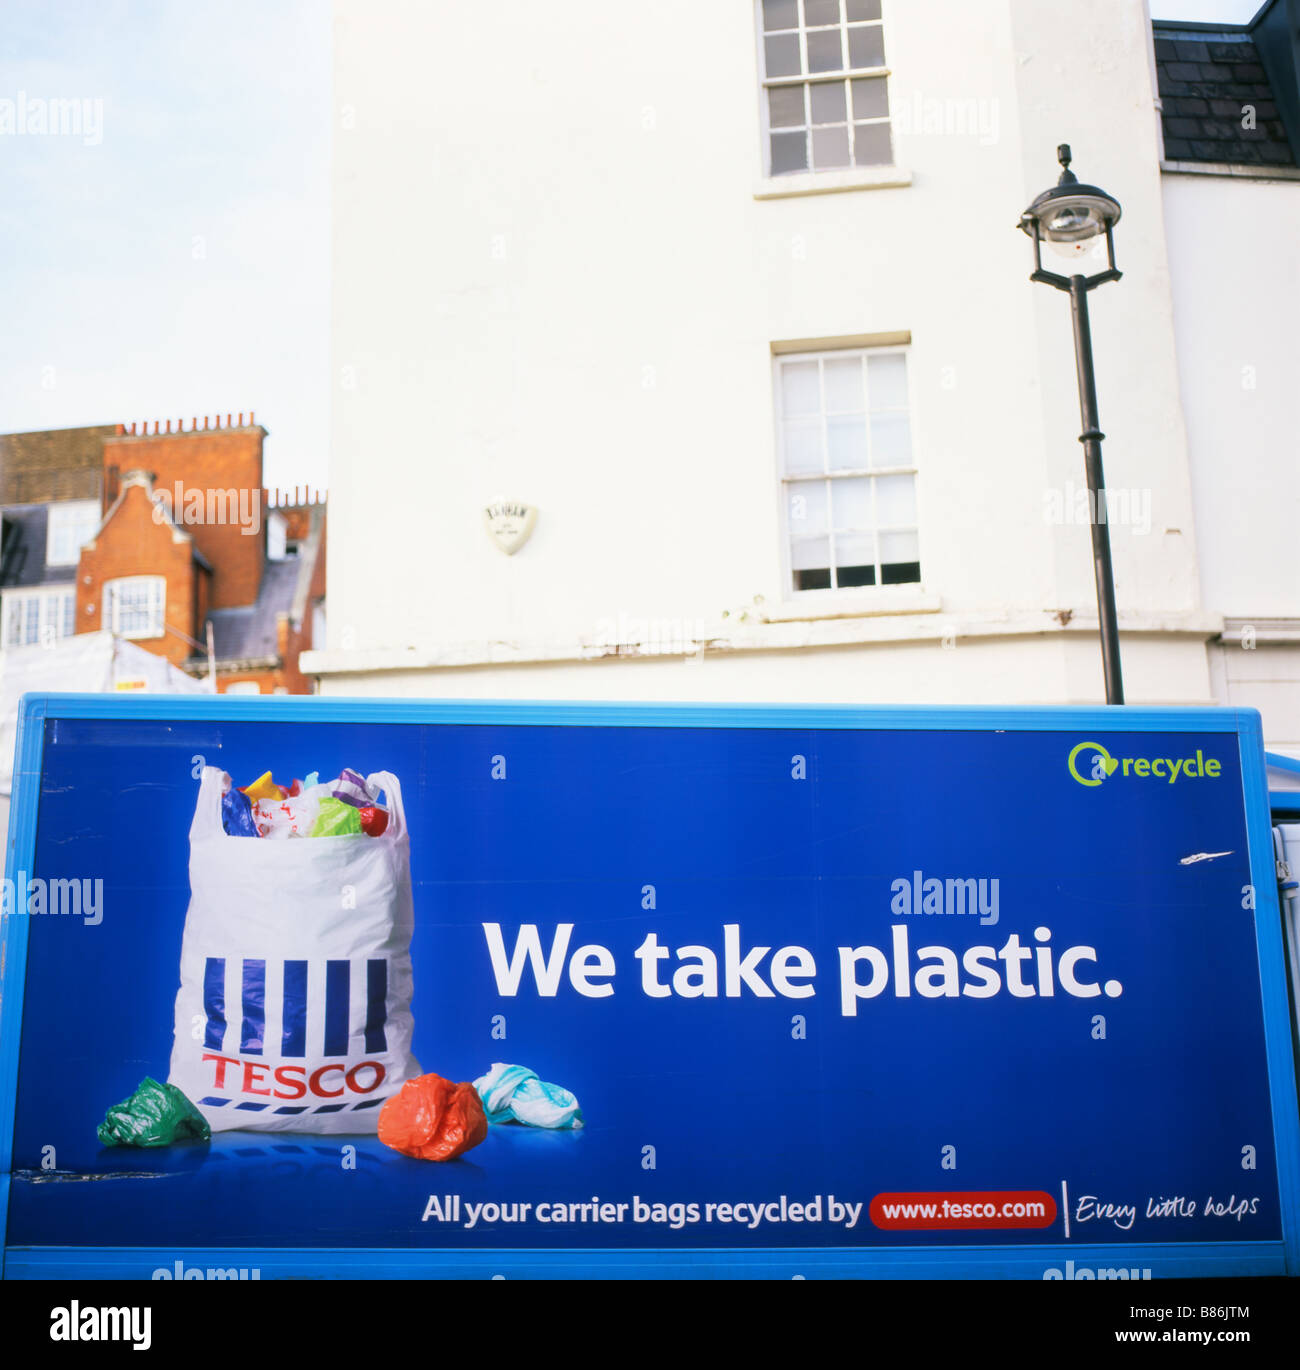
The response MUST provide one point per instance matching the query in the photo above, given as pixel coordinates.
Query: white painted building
(795, 422)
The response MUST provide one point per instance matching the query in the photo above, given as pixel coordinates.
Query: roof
(162, 513)
(250, 632)
(58, 464)
(22, 550)
(1217, 102)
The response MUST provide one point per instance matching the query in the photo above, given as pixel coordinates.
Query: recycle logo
(1103, 762)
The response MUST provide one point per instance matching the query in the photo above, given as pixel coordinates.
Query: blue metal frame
(1284, 803)
(1162, 1260)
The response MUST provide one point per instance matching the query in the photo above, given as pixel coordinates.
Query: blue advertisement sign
(525, 989)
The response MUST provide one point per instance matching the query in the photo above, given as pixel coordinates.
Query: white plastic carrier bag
(294, 1011)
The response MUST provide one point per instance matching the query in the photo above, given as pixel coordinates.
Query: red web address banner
(975, 1208)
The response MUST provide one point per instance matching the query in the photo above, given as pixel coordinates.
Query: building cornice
(736, 636)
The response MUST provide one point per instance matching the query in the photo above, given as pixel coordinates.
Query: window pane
(789, 153)
(900, 559)
(820, 12)
(863, 9)
(899, 547)
(830, 147)
(870, 97)
(785, 106)
(808, 508)
(780, 14)
(828, 103)
(812, 580)
(846, 443)
(803, 447)
(887, 381)
(891, 440)
(866, 47)
(71, 523)
(800, 391)
(848, 576)
(895, 501)
(135, 606)
(824, 51)
(807, 554)
(855, 550)
(901, 573)
(872, 145)
(851, 504)
(782, 55)
(842, 379)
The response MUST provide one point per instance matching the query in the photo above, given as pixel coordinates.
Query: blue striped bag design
(294, 1008)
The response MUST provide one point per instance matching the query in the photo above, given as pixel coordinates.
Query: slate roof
(1206, 79)
(22, 558)
(250, 633)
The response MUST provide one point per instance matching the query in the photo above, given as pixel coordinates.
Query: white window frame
(58, 516)
(845, 77)
(50, 602)
(112, 608)
(908, 588)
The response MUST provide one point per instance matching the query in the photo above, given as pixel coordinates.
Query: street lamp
(1071, 215)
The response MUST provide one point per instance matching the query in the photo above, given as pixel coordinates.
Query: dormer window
(72, 523)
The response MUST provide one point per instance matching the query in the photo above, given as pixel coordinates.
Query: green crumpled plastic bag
(155, 1115)
(337, 819)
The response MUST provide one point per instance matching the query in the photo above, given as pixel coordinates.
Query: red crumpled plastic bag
(432, 1119)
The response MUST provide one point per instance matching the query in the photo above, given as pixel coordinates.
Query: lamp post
(1071, 214)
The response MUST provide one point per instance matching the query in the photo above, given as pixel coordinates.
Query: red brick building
(169, 539)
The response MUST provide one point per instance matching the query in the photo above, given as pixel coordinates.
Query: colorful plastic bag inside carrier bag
(294, 1010)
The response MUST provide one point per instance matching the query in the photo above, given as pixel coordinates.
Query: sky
(1207, 11)
(170, 258)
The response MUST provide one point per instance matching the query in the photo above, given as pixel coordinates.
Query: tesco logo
(293, 1082)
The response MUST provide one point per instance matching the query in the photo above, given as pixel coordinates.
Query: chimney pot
(155, 425)
(227, 420)
(250, 418)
